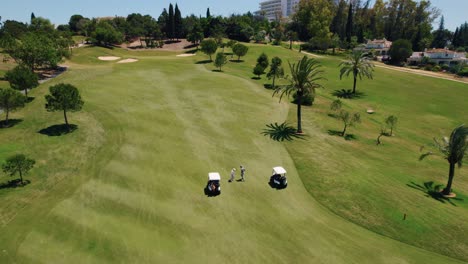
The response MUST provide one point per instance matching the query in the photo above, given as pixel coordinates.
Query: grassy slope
(369, 184)
(127, 186)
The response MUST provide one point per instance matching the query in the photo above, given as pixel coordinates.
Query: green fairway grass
(127, 185)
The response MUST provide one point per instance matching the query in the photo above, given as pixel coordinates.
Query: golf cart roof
(214, 176)
(279, 170)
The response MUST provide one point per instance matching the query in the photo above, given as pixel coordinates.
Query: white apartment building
(277, 9)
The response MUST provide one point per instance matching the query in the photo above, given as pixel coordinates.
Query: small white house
(439, 56)
(379, 45)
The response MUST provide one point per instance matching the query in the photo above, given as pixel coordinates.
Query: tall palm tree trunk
(26, 92)
(299, 113)
(273, 84)
(354, 85)
(448, 188)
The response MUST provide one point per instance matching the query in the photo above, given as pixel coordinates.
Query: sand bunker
(127, 61)
(108, 58)
(186, 55)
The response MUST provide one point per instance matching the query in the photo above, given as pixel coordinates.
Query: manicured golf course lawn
(127, 185)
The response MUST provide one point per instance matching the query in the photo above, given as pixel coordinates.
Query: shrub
(428, 67)
(436, 68)
(445, 67)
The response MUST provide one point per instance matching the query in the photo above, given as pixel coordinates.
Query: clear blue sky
(59, 11)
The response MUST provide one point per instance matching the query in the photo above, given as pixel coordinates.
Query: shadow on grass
(433, 191)
(348, 94)
(268, 86)
(332, 115)
(30, 99)
(217, 70)
(256, 78)
(11, 123)
(14, 184)
(191, 47)
(210, 194)
(281, 132)
(236, 61)
(203, 62)
(348, 137)
(58, 130)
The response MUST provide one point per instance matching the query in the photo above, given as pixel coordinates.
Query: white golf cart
(213, 187)
(278, 179)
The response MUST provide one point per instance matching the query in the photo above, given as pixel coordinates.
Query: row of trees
(345, 23)
(169, 25)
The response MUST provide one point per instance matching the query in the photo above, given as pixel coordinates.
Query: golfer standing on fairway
(242, 169)
(233, 174)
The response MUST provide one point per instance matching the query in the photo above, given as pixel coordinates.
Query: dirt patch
(108, 58)
(127, 61)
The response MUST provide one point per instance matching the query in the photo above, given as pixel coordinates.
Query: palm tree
(303, 81)
(359, 64)
(452, 149)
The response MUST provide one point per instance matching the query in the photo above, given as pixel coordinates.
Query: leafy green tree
(220, 60)
(73, 22)
(391, 122)
(105, 34)
(209, 47)
(36, 50)
(10, 100)
(400, 51)
(304, 80)
(336, 105)
(22, 78)
(240, 50)
(452, 149)
(335, 43)
(359, 65)
(263, 60)
(18, 164)
(258, 70)
(135, 27)
(292, 36)
(276, 70)
(348, 120)
(195, 34)
(313, 18)
(63, 97)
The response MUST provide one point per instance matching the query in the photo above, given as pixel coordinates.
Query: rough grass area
(127, 184)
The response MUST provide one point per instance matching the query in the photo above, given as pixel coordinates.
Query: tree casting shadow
(14, 184)
(348, 94)
(348, 137)
(203, 62)
(58, 130)
(281, 132)
(433, 191)
(11, 123)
